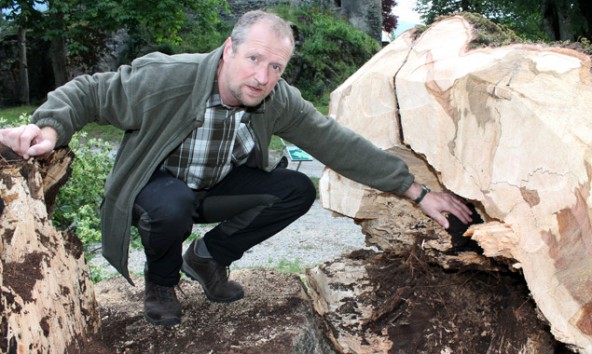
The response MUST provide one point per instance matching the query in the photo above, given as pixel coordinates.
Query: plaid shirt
(208, 154)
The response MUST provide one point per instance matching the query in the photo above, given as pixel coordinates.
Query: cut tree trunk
(389, 303)
(505, 127)
(47, 303)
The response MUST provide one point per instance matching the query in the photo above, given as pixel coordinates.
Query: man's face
(249, 74)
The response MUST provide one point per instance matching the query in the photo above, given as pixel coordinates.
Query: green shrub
(98, 273)
(328, 51)
(198, 41)
(79, 200)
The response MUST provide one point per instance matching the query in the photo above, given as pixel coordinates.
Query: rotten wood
(47, 302)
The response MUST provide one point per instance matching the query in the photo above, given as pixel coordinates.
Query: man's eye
(276, 67)
(253, 58)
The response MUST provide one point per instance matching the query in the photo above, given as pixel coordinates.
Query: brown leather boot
(161, 306)
(212, 276)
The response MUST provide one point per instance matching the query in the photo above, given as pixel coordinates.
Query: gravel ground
(313, 239)
(316, 237)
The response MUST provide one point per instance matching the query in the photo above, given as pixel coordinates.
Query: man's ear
(228, 48)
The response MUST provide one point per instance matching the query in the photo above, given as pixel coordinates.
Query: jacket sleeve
(103, 98)
(340, 148)
(150, 85)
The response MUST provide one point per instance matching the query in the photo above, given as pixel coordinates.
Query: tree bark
(57, 53)
(47, 299)
(557, 19)
(586, 8)
(505, 128)
(23, 66)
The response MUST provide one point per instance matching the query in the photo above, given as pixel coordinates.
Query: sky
(407, 18)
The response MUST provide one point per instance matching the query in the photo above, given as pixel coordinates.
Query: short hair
(280, 27)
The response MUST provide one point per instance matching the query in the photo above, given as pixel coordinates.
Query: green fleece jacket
(159, 99)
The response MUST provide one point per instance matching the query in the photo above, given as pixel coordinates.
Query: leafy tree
(586, 8)
(531, 19)
(197, 38)
(389, 20)
(10, 22)
(78, 29)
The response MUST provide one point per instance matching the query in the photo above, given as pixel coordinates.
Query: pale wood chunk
(505, 127)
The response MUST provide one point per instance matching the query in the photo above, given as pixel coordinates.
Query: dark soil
(429, 310)
(274, 317)
(423, 308)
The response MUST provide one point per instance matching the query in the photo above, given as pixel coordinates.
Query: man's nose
(262, 75)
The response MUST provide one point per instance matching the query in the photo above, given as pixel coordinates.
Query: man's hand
(29, 140)
(434, 204)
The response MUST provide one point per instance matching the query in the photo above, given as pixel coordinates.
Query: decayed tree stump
(507, 128)
(47, 303)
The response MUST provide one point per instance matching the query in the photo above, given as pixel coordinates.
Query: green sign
(297, 154)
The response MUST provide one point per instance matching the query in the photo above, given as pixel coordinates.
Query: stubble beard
(242, 97)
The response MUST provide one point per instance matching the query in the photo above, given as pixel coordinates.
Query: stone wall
(239, 7)
(363, 15)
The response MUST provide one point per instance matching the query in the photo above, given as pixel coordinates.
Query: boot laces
(166, 293)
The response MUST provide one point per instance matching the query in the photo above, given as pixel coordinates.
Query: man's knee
(302, 192)
(306, 189)
(164, 207)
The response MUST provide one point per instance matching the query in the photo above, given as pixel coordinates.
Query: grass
(12, 114)
(105, 132)
(294, 266)
(323, 109)
(290, 266)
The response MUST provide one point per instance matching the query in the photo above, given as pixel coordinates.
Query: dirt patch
(419, 307)
(425, 309)
(22, 276)
(274, 317)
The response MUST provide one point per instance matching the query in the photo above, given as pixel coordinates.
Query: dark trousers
(250, 206)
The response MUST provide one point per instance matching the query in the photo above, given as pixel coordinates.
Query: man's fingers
(12, 139)
(455, 208)
(435, 204)
(440, 219)
(25, 139)
(461, 211)
(2, 134)
(41, 148)
(20, 139)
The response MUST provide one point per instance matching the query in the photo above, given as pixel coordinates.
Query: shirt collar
(215, 99)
